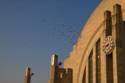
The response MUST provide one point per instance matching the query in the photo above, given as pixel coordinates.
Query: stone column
(53, 69)
(28, 75)
(103, 60)
(87, 73)
(117, 53)
(107, 58)
(108, 23)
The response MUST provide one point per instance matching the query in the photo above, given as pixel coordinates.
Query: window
(109, 68)
(91, 67)
(98, 62)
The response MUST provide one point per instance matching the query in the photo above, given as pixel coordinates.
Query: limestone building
(99, 54)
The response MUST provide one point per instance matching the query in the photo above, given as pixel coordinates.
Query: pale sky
(32, 30)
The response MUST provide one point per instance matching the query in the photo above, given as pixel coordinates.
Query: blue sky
(32, 30)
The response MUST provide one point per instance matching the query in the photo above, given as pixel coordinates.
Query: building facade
(99, 54)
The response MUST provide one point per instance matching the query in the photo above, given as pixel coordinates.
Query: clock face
(108, 45)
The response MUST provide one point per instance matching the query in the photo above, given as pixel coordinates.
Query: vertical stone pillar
(87, 73)
(117, 53)
(103, 61)
(28, 75)
(53, 69)
(108, 58)
(108, 23)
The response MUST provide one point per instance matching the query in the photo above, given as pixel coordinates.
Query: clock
(108, 45)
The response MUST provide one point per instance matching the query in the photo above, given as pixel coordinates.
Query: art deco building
(99, 54)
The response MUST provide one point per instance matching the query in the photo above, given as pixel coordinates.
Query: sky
(32, 30)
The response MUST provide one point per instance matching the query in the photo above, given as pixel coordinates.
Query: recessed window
(91, 67)
(109, 68)
(98, 72)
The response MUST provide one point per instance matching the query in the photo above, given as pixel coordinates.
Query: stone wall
(92, 31)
